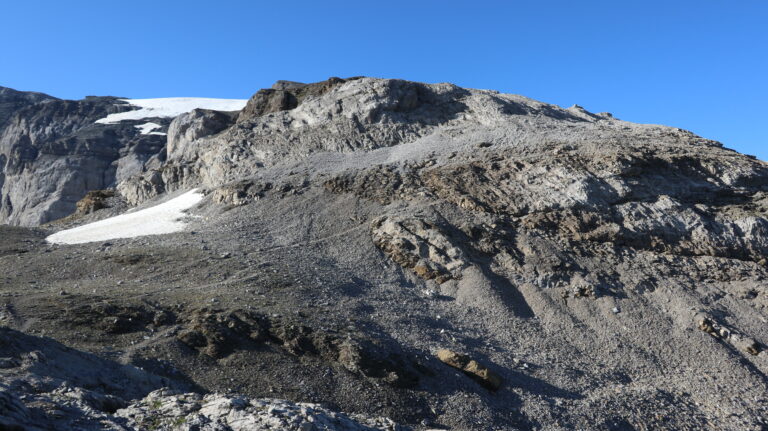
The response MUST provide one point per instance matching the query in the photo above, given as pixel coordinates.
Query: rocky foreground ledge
(47, 386)
(164, 409)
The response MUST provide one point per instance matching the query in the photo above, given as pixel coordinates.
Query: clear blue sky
(698, 65)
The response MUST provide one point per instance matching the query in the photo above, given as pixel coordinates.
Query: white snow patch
(170, 107)
(147, 128)
(156, 220)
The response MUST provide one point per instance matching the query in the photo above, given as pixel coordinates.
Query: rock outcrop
(94, 201)
(160, 178)
(54, 152)
(471, 367)
(420, 246)
(12, 101)
(292, 121)
(176, 411)
(45, 385)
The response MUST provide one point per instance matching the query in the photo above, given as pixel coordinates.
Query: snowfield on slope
(156, 220)
(170, 107)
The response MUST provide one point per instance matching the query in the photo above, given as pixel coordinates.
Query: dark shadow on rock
(56, 364)
(355, 287)
(166, 369)
(509, 294)
(539, 387)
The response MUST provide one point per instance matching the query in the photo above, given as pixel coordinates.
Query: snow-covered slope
(156, 220)
(171, 107)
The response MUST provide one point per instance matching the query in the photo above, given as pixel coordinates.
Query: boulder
(94, 201)
(471, 368)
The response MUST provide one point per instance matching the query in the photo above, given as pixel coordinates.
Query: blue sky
(698, 65)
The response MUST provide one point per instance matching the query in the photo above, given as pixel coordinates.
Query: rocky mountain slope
(448, 258)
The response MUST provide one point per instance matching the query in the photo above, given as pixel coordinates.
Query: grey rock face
(53, 153)
(160, 178)
(267, 101)
(335, 115)
(12, 101)
(194, 125)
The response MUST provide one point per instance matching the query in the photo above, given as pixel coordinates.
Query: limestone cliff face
(53, 152)
(12, 101)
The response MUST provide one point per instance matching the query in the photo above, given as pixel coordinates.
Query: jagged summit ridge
(292, 121)
(287, 122)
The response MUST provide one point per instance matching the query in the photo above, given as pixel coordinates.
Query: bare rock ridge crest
(63, 140)
(419, 256)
